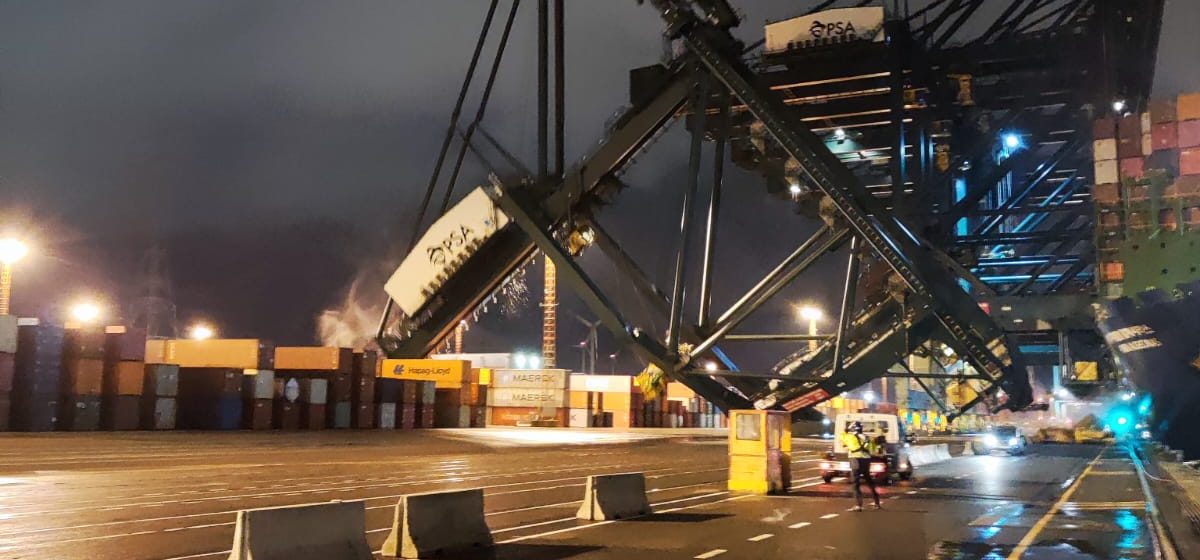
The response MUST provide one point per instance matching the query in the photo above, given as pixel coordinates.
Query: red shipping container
(1189, 162)
(8, 368)
(286, 415)
(5, 410)
(121, 412)
(125, 344)
(1104, 129)
(1129, 148)
(1133, 167)
(407, 419)
(1189, 134)
(312, 416)
(1165, 136)
(363, 416)
(256, 414)
(1130, 128)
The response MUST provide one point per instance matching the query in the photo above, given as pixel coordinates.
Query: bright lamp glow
(201, 331)
(810, 313)
(12, 250)
(85, 312)
(1012, 141)
(990, 440)
(794, 188)
(869, 396)
(520, 360)
(710, 366)
(535, 362)
(1119, 106)
(839, 134)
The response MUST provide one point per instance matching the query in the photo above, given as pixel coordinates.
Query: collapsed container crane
(474, 248)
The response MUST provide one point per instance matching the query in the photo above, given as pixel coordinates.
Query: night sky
(276, 149)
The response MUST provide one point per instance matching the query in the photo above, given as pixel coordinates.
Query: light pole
(11, 251)
(812, 315)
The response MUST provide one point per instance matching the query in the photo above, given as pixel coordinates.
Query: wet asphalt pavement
(175, 495)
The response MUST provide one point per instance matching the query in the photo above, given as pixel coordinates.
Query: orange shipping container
(1163, 111)
(156, 351)
(127, 379)
(84, 376)
(324, 358)
(1188, 107)
(580, 399)
(1112, 272)
(1189, 162)
(233, 353)
(512, 416)
(448, 374)
(1107, 194)
(676, 390)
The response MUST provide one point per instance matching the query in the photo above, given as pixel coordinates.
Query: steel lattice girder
(487, 269)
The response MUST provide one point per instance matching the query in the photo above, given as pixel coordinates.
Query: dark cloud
(276, 147)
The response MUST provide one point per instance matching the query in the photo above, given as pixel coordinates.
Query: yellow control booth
(760, 451)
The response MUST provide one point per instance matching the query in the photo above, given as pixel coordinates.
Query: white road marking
(829, 516)
(761, 537)
(799, 525)
(710, 554)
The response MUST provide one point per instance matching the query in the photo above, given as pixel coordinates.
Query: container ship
(1147, 200)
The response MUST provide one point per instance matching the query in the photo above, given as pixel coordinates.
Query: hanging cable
(483, 103)
(437, 168)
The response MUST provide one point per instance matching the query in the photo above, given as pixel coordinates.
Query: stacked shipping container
(8, 366)
(38, 368)
(82, 380)
(124, 378)
(160, 387)
(528, 397)
(1147, 171)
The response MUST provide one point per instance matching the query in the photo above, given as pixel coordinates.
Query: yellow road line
(1041, 524)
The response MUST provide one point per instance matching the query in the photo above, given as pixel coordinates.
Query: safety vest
(856, 445)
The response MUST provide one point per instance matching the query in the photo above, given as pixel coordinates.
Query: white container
(1104, 149)
(579, 418)
(258, 384)
(531, 398)
(8, 334)
(314, 391)
(1147, 144)
(1107, 172)
(385, 416)
(529, 379)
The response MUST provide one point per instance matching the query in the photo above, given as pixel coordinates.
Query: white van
(895, 455)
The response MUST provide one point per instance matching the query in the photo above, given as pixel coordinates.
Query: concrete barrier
(614, 496)
(333, 531)
(920, 455)
(438, 524)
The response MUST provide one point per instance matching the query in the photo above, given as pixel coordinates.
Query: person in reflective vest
(858, 447)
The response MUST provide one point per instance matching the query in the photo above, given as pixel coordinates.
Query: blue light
(1012, 141)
